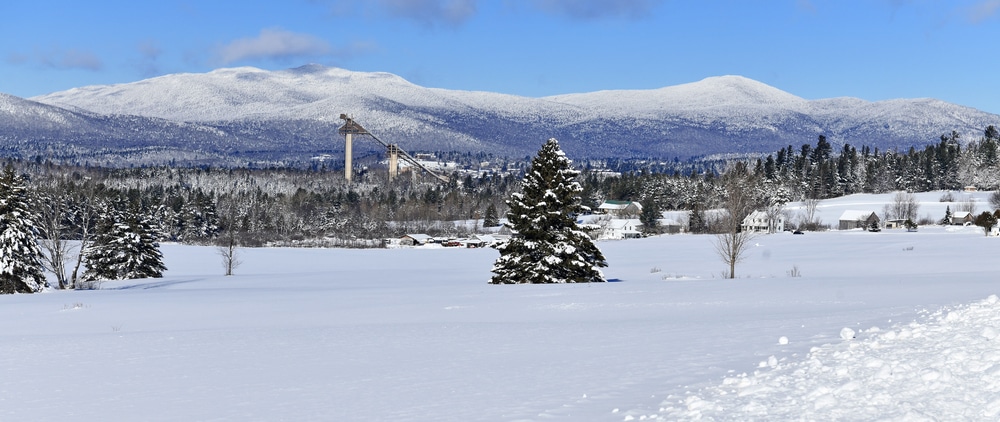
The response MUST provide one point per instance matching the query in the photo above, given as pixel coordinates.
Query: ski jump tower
(395, 153)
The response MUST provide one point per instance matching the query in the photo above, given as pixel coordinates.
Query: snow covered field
(418, 335)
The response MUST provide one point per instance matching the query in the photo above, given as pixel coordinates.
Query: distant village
(619, 220)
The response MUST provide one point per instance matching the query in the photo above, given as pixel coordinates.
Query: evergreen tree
(547, 246)
(20, 257)
(101, 257)
(947, 216)
(650, 217)
(125, 247)
(697, 223)
(491, 219)
(147, 261)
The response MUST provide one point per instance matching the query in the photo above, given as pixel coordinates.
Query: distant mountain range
(232, 116)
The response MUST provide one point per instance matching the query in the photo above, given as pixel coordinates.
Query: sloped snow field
(891, 326)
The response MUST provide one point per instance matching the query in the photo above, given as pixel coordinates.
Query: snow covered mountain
(29, 128)
(291, 113)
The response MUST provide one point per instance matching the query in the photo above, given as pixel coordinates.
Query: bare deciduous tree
(732, 243)
(968, 205)
(229, 251)
(732, 248)
(778, 197)
(808, 217)
(904, 206)
(229, 242)
(83, 215)
(53, 225)
(66, 221)
(995, 199)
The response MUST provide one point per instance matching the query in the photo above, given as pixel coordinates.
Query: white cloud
(598, 9)
(429, 12)
(984, 10)
(273, 43)
(59, 59)
(149, 53)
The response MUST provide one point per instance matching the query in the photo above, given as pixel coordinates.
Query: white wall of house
(616, 229)
(759, 222)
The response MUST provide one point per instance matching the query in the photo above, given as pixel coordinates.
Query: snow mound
(946, 365)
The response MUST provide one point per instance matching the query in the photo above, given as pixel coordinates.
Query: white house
(759, 222)
(622, 229)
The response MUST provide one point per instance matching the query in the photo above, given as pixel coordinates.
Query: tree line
(75, 210)
(810, 173)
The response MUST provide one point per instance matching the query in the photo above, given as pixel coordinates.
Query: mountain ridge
(293, 113)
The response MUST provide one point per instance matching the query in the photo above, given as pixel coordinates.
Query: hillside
(293, 114)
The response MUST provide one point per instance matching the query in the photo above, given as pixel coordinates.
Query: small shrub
(815, 226)
(947, 197)
(654, 270)
(794, 272)
(88, 285)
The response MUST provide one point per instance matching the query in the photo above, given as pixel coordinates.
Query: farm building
(961, 218)
(620, 208)
(854, 219)
(417, 239)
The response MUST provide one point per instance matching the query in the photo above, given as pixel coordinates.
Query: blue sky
(871, 49)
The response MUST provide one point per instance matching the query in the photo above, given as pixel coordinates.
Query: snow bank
(947, 366)
(414, 334)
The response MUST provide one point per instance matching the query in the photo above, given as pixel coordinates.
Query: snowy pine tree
(650, 217)
(491, 219)
(126, 247)
(20, 256)
(547, 246)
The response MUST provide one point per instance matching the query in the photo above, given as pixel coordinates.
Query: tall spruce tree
(547, 246)
(20, 256)
(650, 217)
(491, 219)
(947, 216)
(126, 247)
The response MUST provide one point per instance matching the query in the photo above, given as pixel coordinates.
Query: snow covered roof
(420, 237)
(618, 205)
(960, 214)
(855, 215)
(487, 238)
